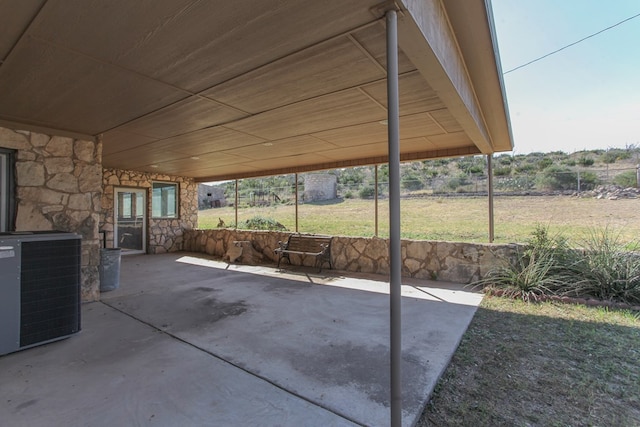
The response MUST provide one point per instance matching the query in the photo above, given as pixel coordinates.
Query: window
(164, 202)
(6, 190)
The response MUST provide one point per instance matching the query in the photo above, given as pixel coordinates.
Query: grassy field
(456, 219)
(545, 364)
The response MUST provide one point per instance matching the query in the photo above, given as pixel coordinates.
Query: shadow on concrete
(187, 338)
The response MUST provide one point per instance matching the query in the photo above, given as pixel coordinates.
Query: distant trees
(556, 171)
(557, 178)
(412, 180)
(563, 178)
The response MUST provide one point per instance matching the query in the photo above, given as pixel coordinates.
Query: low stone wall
(436, 260)
(163, 234)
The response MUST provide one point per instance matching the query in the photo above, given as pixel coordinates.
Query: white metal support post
(490, 183)
(395, 258)
(375, 192)
(296, 197)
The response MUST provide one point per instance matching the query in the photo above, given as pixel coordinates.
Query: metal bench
(304, 244)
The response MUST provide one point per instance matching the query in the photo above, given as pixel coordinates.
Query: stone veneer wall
(59, 187)
(163, 234)
(448, 261)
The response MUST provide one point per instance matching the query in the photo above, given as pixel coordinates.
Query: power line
(572, 44)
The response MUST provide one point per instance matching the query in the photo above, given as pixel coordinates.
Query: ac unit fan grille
(50, 290)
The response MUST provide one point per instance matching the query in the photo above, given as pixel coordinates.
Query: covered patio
(115, 99)
(107, 106)
(190, 340)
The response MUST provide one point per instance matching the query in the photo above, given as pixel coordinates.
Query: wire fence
(260, 193)
(348, 208)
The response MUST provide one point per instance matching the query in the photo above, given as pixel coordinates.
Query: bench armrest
(282, 246)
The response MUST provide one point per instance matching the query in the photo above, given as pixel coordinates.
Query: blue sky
(584, 97)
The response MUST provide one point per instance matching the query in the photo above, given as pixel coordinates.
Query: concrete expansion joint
(223, 360)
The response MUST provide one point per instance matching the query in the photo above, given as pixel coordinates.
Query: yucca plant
(539, 269)
(556, 247)
(604, 268)
(607, 269)
(530, 276)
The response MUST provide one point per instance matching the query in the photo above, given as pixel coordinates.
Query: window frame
(7, 189)
(164, 209)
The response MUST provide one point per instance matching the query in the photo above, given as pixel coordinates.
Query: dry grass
(545, 364)
(457, 219)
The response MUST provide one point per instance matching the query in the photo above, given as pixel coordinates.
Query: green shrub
(557, 178)
(475, 169)
(609, 157)
(606, 269)
(411, 180)
(536, 270)
(502, 171)
(586, 161)
(261, 223)
(453, 183)
(456, 182)
(527, 278)
(436, 163)
(471, 165)
(588, 181)
(366, 192)
(626, 179)
(602, 269)
(545, 163)
(623, 155)
(349, 176)
(525, 168)
(504, 159)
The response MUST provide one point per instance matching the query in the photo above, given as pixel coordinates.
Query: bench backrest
(312, 244)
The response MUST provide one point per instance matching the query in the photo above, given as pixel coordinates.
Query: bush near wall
(603, 268)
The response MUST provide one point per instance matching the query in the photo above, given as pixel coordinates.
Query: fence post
(376, 200)
(236, 205)
(490, 194)
(638, 176)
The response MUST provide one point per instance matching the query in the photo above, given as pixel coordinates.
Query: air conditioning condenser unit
(39, 288)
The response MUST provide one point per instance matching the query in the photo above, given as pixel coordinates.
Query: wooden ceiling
(217, 90)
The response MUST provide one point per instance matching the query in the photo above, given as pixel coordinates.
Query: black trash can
(109, 269)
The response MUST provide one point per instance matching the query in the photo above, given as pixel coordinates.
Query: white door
(130, 220)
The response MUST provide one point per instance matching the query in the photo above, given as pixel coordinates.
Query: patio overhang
(219, 90)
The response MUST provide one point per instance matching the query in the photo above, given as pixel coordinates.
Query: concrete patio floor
(192, 341)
